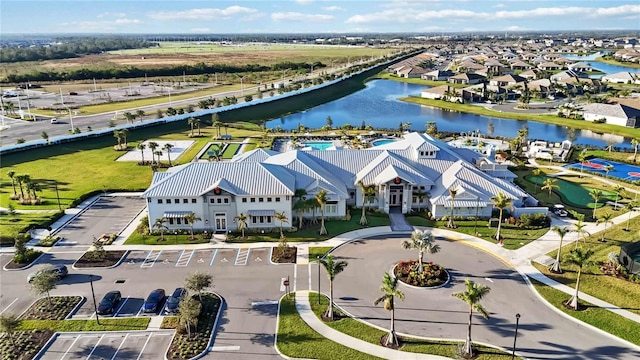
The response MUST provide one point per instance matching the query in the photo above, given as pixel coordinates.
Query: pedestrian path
(304, 309)
(399, 222)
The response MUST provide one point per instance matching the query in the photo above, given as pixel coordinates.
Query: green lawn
(169, 239)
(514, 237)
(106, 324)
(612, 155)
(296, 339)
(574, 194)
(616, 291)
(318, 251)
(230, 150)
(372, 335)
(593, 315)
(12, 225)
(310, 233)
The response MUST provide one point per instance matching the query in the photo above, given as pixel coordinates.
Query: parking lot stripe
(213, 257)
(150, 260)
(8, 306)
(120, 307)
(70, 347)
(94, 347)
(144, 346)
(185, 258)
(120, 346)
(242, 256)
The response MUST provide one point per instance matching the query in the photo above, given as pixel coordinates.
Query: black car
(174, 300)
(59, 270)
(109, 302)
(154, 301)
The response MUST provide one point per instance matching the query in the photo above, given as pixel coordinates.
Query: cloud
(110, 14)
(127, 21)
(99, 26)
(499, 5)
(202, 14)
(298, 17)
(201, 30)
(515, 28)
(332, 8)
(304, 2)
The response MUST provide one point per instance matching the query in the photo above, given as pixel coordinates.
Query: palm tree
(282, 217)
(158, 155)
(11, 174)
(168, 147)
(423, 242)
(536, 172)
(124, 133)
(605, 219)
(390, 291)
(321, 199)
(129, 116)
(580, 225)
(635, 142)
(197, 282)
(153, 146)
(561, 231)
(550, 184)
(452, 193)
(595, 195)
(368, 192)
(118, 136)
(22, 179)
(192, 122)
(501, 201)
(420, 195)
(191, 218)
(33, 186)
(607, 169)
(215, 121)
(579, 257)
(242, 222)
(160, 225)
(618, 190)
(332, 268)
(472, 296)
(630, 206)
(140, 113)
(141, 147)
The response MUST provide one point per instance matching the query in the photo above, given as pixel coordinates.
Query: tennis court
(574, 194)
(620, 170)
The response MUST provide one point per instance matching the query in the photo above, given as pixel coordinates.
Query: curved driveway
(542, 334)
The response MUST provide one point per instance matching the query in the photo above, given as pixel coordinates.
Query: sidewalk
(304, 309)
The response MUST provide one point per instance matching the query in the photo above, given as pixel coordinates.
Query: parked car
(59, 270)
(54, 120)
(154, 301)
(173, 301)
(109, 302)
(560, 210)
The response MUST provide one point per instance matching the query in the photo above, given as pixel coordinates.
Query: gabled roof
(386, 159)
(256, 155)
(616, 110)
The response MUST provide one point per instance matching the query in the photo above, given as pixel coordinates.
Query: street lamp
(515, 337)
(176, 233)
(93, 294)
(318, 279)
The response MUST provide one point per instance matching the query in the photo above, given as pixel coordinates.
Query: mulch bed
(434, 274)
(59, 309)
(112, 257)
(25, 345)
(16, 266)
(183, 348)
(288, 257)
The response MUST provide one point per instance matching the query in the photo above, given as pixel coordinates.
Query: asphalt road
(542, 334)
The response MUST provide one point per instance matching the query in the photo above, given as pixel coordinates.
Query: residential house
(437, 75)
(616, 114)
(622, 78)
(467, 78)
(549, 66)
(580, 67)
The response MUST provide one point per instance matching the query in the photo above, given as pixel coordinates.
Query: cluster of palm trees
(121, 138)
(155, 153)
(25, 184)
(131, 117)
(160, 224)
(303, 205)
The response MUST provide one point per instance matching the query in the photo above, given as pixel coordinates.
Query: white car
(560, 210)
(54, 120)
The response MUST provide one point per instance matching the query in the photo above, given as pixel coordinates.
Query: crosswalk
(198, 257)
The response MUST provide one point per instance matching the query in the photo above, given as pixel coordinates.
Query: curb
(214, 329)
(25, 267)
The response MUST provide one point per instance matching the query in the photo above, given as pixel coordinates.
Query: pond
(378, 105)
(604, 67)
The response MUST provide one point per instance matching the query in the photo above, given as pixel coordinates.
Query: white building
(616, 114)
(261, 182)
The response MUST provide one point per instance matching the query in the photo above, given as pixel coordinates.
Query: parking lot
(197, 259)
(109, 345)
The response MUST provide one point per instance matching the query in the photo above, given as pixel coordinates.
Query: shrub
(27, 257)
(529, 220)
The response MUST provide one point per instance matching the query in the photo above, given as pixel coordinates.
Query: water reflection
(378, 105)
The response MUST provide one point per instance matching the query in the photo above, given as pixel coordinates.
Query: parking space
(203, 258)
(168, 258)
(259, 256)
(197, 258)
(5, 259)
(225, 257)
(242, 256)
(109, 345)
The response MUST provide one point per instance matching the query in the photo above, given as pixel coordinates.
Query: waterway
(604, 67)
(378, 105)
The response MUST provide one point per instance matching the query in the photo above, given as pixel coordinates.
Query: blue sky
(313, 16)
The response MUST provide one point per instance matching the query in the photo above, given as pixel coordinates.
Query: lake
(604, 67)
(378, 105)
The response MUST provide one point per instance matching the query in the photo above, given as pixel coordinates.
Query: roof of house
(615, 110)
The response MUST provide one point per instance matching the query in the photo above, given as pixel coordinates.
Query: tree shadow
(99, 351)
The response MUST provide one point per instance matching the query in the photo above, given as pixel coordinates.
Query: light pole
(93, 294)
(318, 279)
(176, 233)
(515, 337)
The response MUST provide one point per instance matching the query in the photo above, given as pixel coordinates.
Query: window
(219, 200)
(170, 221)
(177, 201)
(212, 200)
(193, 201)
(352, 194)
(244, 200)
(260, 199)
(277, 199)
(253, 199)
(168, 201)
(288, 198)
(254, 219)
(159, 201)
(269, 219)
(178, 221)
(185, 201)
(261, 219)
(331, 208)
(226, 200)
(269, 199)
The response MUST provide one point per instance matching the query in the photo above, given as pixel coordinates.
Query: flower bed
(433, 274)
(59, 308)
(110, 258)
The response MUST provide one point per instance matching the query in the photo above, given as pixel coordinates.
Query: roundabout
(543, 332)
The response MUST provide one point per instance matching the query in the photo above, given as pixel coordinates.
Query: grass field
(574, 194)
(106, 324)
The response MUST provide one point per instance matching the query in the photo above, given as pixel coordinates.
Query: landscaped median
(297, 339)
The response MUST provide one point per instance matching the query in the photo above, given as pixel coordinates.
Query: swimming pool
(382, 142)
(320, 145)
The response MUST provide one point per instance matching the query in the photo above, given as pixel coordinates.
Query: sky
(313, 16)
